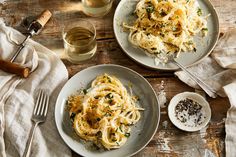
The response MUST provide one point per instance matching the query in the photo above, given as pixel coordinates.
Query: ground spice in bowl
(190, 112)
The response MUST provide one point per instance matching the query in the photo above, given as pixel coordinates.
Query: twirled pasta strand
(104, 113)
(166, 26)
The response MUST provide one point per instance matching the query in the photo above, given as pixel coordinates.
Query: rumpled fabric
(219, 72)
(18, 95)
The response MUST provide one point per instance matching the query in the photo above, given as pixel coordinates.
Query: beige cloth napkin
(17, 98)
(219, 71)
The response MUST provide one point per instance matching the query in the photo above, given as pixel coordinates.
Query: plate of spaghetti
(151, 31)
(104, 110)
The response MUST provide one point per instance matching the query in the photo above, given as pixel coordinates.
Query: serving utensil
(39, 116)
(211, 92)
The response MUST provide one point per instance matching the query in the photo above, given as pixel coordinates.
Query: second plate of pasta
(149, 31)
(104, 110)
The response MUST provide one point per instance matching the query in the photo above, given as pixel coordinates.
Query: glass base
(76, 59)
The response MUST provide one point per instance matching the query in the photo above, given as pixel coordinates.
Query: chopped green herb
(205, 29)
(163, 35)
(127, 134)
(131, 124)
(99, 134)
(85, 91)
(190, 42)
(133, 14)
(72, 116)
(187, 1)
(199, 11)
(98, 119)
(109, 96)
(158, 52)
(162, 25)
(109, 80)
(120, 129)
(107, 114)
(150, 8)
(163, 13)
(96, 97)
(117, 143)
(110, 101)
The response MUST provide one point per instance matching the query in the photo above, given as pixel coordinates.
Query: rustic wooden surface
(168, 141)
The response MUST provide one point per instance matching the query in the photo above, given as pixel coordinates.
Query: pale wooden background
(168, 141)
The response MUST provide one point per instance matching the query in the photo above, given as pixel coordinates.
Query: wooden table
(168, 141)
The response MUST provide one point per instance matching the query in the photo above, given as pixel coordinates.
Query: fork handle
(212, 93)
(29, 141)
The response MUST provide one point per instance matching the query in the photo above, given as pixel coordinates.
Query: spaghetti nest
(166, 26)
(104, 113)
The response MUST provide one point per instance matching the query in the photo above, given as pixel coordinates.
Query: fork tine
(37, 102)
(44, 103)
(40, 104)
(47, 102)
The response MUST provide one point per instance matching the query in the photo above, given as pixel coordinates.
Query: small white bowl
(206, 110)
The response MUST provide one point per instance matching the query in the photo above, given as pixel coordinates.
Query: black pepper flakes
(188, 108)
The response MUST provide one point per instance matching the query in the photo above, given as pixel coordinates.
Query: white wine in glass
(96, 8)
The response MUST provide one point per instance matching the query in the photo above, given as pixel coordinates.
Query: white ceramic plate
(197, 98)
(204, 45)
(140, 135)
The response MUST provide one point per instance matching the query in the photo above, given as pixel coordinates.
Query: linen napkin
(219, 72)
(17, 98)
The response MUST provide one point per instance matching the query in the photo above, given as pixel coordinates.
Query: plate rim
(57, 106)
(169, 69)
(184, 95)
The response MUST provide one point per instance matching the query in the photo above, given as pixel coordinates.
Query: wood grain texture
(168, 141)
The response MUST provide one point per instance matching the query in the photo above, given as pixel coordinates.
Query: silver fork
(211, 92)
(38, 116)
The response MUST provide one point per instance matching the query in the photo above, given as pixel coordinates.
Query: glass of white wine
(96, 8)
(79, 37)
